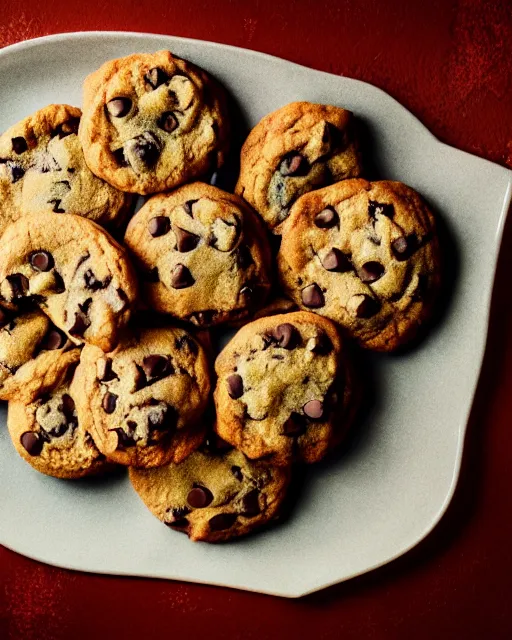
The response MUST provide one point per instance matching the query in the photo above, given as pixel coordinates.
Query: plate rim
(486, 306)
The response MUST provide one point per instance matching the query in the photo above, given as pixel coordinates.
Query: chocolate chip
(53, 340)
(314, 409)
(80, 325)
(380, 208)
(181, 277)
(17, 172)
(222, 521)
(293, 164)
(146, 148)
(66, 128)
(186, 342)
(186, 240)
(155, 77)
(59, 430)
(367, 308)
(336, 260)
(159, 226)
(188, 207)
(327, 218)
(119, 107)
(294, 425)
(370, 272)
(56, 205)
(123, 439)
(168, 122)
(178, 515)
(109, 402)
(41, 260)
(164, 420)
(19, 145)
(286, 336)
(404, 247)
(120, 157)
(199, 497)
(104, 370)
(156, 366)
(32, 443)
(179, 524)
(92, 282)
(58, 283)
(235, 386)
(243, 257)
(322, 344)
(141, 380)
(19, 284)
(237, 472)
(251, 504)
(312, 296)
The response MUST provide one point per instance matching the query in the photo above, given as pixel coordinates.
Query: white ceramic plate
(393, 485)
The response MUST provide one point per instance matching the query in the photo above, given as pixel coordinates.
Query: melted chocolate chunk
(379, 208)
(119, 107)
(222, 521)
(19, 145)
(168, 122)
(404, 247)
(56, 205)
(199, 497)
(336, 260)
(237, 472)
(119, 157)
(109, 402)
(92, 283)
(53, 340)
(157, 366)
(80, 325)
(186, 241)
(104, 370)
(371, 272)
(312, 296)
(293, 164)
(41, 260)
(368, 307)
(251, 504)
(286, 336)
(181, 277)
(314, 409)
(19, 284)
(235, 386)
(66, 128)
(159, 226)
(155, 77)
(327, 218)
(32, 443)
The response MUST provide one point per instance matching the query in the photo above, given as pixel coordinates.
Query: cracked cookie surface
(365, 255)
(42, 168)
(300, 147)
(213, 496)
(202, 253)
(152, 122)
(142, 401)
(74, 271)
(283, 388)
(47, 433)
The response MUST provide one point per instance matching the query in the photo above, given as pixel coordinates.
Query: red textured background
(450, 63)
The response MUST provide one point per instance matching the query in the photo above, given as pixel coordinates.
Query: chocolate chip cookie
(42, 168)
(47, 433)
(152, 122)
(141, 402)
(282, 389)
(31, 354)
(300, 147)
(202, 253)
(74, 271)
(365, 255)
(213, 496)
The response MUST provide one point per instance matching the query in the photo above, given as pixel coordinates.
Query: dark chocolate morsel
(199, 497)
(58, 283)
(19, 145)
(123, 439)
(286, 336)
(92, 282)
(314, 409)
(109, 402)
(380, 208)
(32, 443)
(235, 386)
(105, 371)
(68, 405)
(41, 260)
(156, 366)
(19, 284)
(222, 521)
(119, 157)
(119, 107)
(181, 277)
(404, 247)
(237, 472)
(53, 340)
(251, 504)
(312, 296)
(80, 325)
(159, 226)
(188, 207)
(371, 271)
(178, 515)
(147, 148)
(56, 205)
(155, 77)
(327, 218)
(322, 344)
(168, 122)
(5, 318)
(140, 378)
(186, 241)
(293, 164)
(66, 128)
(367, 308)
(336, 260)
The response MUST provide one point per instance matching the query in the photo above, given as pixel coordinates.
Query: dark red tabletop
(450, 63)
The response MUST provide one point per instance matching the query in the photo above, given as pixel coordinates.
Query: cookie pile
(106, 315)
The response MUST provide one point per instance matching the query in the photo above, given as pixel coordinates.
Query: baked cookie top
(47, 433)
(42, 168)
(300, 147)
(152, 122)
(141, 402)
(202, 253)
(282, 390)
(74, 271)
(213, 496)
(365, 255)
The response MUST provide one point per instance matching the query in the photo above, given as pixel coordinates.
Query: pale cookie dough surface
(282, 389)
(365, 255)
(142, 401)
(47, 434)
(213, 496)
(300, 147)
(202, 254)
(74, 271)
(31, 354)
(42, 168)
(152, 122)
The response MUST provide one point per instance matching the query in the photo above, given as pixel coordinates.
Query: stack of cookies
(106, 315)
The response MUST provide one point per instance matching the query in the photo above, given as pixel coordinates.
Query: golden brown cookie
(365, 255)
(142, 401)
(202, 253)
(74, 271)
(213, 496)
(283, 392)
(42, 168)
(152, 121)
(300, 147)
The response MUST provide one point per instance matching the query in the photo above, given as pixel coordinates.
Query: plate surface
(392, 486)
